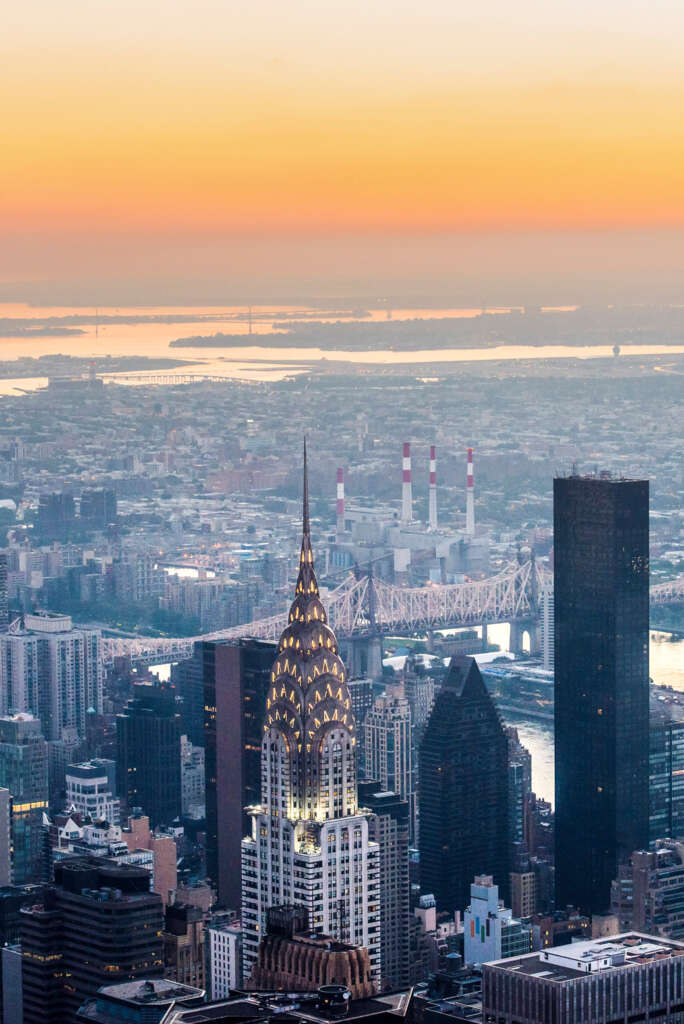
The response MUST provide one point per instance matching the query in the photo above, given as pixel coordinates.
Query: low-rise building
(224, 940)
(184, 955)
(629, 977)
(139, 1002)
(293, 958)
(523, 886)
(560, 928)
(91, 789)
(490, 930)
(648, 894)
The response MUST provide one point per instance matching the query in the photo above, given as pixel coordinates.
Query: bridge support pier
(364, 657)
(520, 627)
(485, 641)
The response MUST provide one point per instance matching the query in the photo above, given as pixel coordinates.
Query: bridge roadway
(366, 606)
(157, 377)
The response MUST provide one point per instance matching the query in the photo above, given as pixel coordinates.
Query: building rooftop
(565, 963)
(159, 990)
(303, 1006)
(141, 1000)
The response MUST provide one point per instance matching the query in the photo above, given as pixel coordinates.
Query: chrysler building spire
(308, 707)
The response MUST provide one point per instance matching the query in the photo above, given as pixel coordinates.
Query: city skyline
(342, 512)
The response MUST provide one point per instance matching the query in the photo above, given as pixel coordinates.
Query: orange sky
(217, 120)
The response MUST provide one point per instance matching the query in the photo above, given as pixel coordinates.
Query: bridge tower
(518, 628)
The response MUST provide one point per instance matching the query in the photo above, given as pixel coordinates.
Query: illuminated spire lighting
(309, 707)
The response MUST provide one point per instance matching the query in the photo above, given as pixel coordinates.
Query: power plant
(400, 547)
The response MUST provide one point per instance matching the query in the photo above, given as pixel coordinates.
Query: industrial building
(398, 546)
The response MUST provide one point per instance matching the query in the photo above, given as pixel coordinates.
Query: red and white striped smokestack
(340, 500)
(406, 496)
(470, 497)
(432, 494)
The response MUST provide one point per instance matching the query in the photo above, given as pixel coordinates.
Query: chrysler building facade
(309, 844)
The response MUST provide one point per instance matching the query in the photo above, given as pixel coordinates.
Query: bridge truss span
(364, 605)
(511, 594)
(671, 592)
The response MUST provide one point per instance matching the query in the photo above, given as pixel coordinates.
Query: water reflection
(666, 669)
(257, 360)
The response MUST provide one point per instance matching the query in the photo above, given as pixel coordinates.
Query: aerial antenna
(305, 497)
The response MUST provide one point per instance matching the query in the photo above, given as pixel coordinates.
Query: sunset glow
(219, 120)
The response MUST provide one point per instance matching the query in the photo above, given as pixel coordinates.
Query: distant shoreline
(577, 329)
(58, 365)
(39, 332)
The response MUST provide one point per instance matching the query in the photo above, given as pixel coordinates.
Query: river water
(666, 669)
(257, 360)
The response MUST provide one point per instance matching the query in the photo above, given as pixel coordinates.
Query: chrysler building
(309, 844)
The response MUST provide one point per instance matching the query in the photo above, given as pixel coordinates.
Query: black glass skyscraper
(236, 678)
(148, 754)
(601, 670)
(463, 786)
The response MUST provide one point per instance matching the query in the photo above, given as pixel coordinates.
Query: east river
(666, 668)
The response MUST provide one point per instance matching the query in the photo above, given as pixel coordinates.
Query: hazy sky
(323, 144)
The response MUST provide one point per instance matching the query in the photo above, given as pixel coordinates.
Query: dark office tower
(601, 667)
(97, 925)
(666, 771)
(56, 515)
(4, 608)
(188, 679)
(98, 508)
(24, 772)
(388, 826)
(148, 761)
(363, 692)
(237, 676)
(463, 786)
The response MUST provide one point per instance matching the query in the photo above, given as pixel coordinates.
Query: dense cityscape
(281, 662)
(341, 512)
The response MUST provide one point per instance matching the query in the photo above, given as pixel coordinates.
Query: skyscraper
(389, 750)
(310, 845)
(389, 828)
(546, 627)
(98, 924)
(4, 610)
(237, 676)
(24, 772)
(5, 838)
(148, 762)
(52, 670)
(98, 507)
(666, 782)
(362, 693)
(463, 786)
(56, 515)
(601, 669)
(188, 679)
